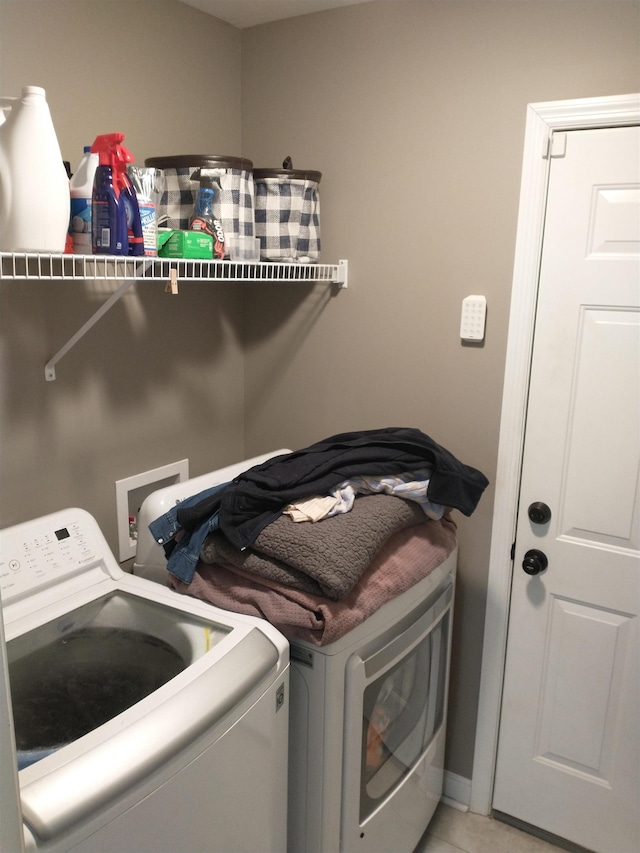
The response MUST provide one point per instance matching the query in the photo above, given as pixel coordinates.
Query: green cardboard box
(185, 244)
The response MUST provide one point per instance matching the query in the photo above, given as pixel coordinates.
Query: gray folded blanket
(325, 558)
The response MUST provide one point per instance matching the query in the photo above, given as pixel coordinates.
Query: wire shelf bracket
(50, 366)
(125, 271)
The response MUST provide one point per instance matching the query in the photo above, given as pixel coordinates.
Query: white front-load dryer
(144, 720)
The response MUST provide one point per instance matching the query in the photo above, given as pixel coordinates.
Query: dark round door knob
(534, 562)
(539, 513)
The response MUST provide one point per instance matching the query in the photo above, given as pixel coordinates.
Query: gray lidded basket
(233, 205)
(287, 213)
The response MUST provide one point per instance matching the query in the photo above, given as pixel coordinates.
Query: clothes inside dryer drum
(80, 681)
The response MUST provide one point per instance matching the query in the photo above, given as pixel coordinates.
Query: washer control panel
(42, 552)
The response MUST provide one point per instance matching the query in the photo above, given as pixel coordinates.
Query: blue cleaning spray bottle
(203, 217)
(127, 191)
(115, 218)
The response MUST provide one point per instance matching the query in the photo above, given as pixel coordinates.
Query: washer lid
(81, 779)
(78, 671)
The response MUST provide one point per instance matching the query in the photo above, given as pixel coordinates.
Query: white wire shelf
(32, 267)
(22, 266)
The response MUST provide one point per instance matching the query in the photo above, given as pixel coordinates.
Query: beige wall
(159, 378)
(414, 111)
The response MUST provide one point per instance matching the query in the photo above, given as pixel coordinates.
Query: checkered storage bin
(287, 214)
(233, 205)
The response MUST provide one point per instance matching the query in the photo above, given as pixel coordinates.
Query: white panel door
(569, 732)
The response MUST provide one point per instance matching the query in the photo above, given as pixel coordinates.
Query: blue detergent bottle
(81, 189)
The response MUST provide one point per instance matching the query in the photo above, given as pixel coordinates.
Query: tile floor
(454, 831)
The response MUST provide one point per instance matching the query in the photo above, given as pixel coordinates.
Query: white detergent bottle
(81, 186)
(34, 188)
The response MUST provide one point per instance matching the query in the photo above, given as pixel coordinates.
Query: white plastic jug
(34, 188)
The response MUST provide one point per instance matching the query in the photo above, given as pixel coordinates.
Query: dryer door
(395, 706)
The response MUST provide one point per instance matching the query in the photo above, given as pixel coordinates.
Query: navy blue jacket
(257, 497)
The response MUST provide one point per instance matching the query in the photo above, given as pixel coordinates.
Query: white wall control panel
(472, 322)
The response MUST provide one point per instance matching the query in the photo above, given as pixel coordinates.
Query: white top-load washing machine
(144, 720)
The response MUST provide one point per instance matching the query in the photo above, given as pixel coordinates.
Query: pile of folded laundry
(316, 540)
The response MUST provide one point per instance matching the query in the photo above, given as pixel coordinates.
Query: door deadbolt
(539, 513)
(534, 562)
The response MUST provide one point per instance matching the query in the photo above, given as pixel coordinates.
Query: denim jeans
(183, 547)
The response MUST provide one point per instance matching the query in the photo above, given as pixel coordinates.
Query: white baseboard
(456, 791)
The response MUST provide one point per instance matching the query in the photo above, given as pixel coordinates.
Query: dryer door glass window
(402, 711)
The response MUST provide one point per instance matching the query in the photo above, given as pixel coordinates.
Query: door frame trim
(543, 119)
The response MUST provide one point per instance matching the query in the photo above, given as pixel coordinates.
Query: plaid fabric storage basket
(287, 214)
(233, 205)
